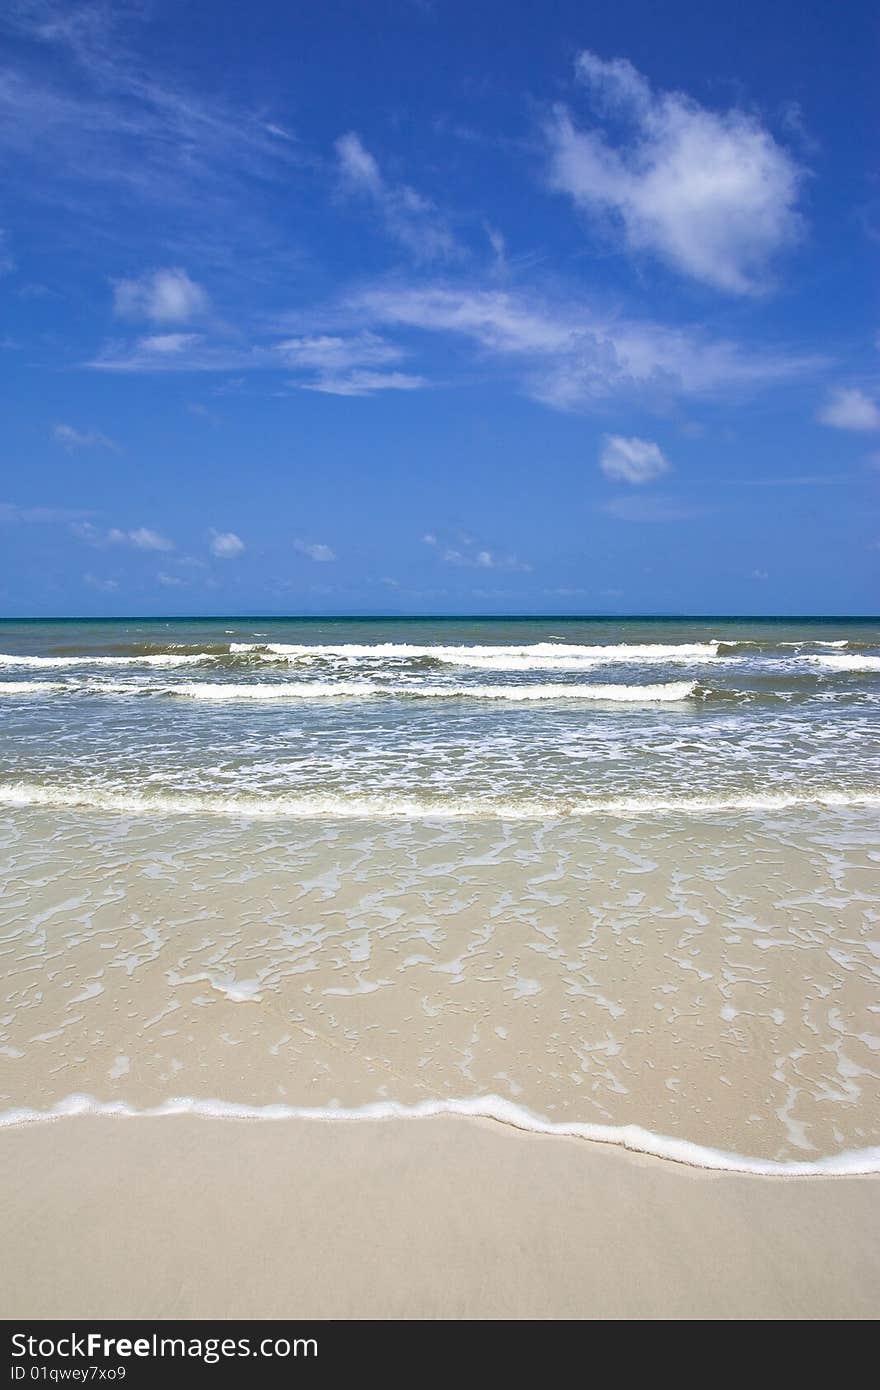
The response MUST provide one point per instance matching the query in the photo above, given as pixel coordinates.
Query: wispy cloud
(347, 365)
(12, 514)
(365, 383)
(573, 355)
(104, 586)
(711, 193)
(7, 260)
(73, 439)
(100, 115)
(181, 352)
(651, 509)
(632, 460)
(321, 554)
(850, 409)
(408, 218)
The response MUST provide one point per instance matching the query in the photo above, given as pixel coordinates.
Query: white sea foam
(31, 687)
(850, 1162)
(162, 659)
(322, 690)
(670, 691)
(845, 663)
(391, 806)
(530, 656)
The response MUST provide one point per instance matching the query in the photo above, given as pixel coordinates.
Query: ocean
(611, 877)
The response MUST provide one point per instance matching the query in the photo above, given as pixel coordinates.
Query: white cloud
(333, 354)
(181, 352)
(709, 192)
(10, 512)
(165, 296)
(484, 560)
(346, 365)
(169, 342)
(71, 438)
(106, 586)
(572, 355)
(7, 260)
(365, 383)
(650, 509)
(142, 539)
(631, 460)
(409, 218)
(201, 412)
(170, 581)
(498, 244)
(850, 409)
(339, 365)
(226, 545)
(315, 551)
(109, 116)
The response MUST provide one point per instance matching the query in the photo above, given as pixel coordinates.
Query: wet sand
(433, 1218)
(712, 982)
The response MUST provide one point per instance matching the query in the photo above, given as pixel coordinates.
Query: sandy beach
(492, 971)
(439, 1218)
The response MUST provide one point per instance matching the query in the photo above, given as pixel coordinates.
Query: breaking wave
(392, 806)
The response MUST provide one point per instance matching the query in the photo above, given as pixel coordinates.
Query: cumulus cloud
(410, 219)
(850, 409)
(71, 439)
(226, 545)
(631, 460)
(322, 554)
(165, 296)
(709, 192)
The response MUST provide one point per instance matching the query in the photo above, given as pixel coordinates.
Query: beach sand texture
(434, 1218)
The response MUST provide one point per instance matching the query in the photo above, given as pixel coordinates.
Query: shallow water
(609, 874)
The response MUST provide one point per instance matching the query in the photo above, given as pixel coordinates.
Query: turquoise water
(474, 717)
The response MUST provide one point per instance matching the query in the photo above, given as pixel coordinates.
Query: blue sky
(439, 307)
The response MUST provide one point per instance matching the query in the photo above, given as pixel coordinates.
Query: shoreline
(490, 1110)
(455, 1217)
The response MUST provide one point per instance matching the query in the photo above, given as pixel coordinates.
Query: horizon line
(386, 615)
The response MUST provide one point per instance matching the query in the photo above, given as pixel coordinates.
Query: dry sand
(432, 1218)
